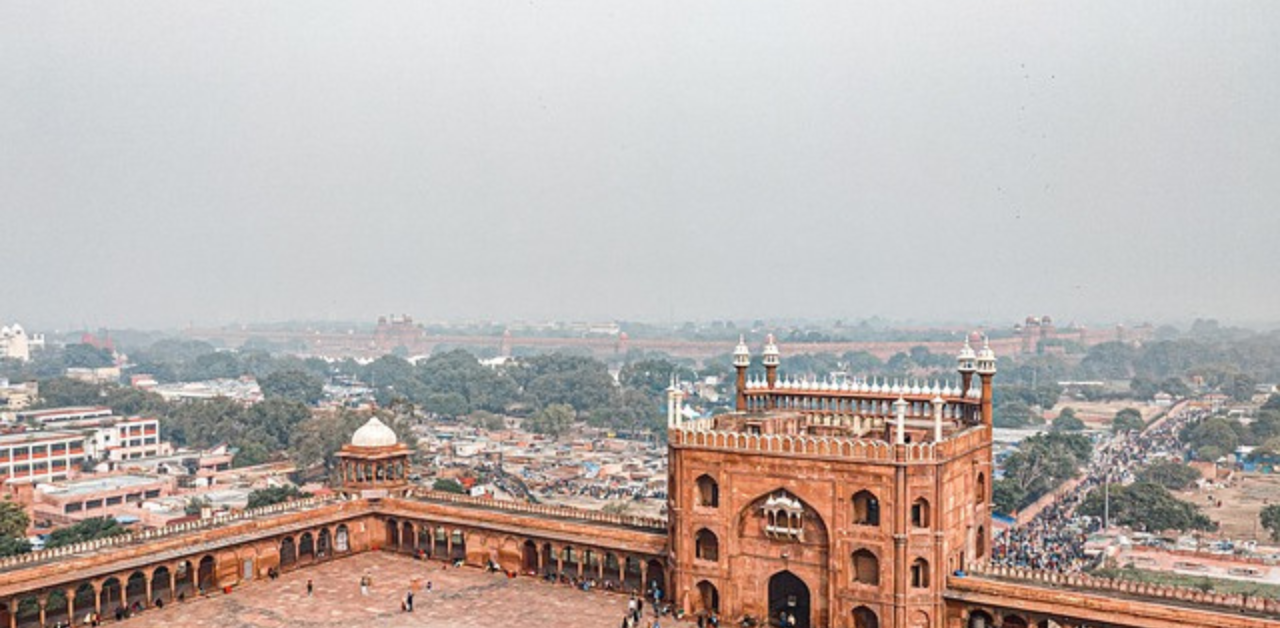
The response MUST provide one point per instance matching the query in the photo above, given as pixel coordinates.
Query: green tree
(293, 385)
(195, 506)
(448, 485)
(1148, 507)
(1009, 497)
(1270, 519)
(1170, 474)
(486, 420)
(1213, 435)
(126, 401)
(13, 519)
(87, 356)
(85, 530)
(63, 391)
(1014, 413)
(1067, 421)
(12, 546)
(553, 420)
(274, 495)
(1126, 420)
(449, 404)
(1041, 464)
(249, 454)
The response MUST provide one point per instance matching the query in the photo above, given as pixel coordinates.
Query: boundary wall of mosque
(1033, 597)
(171, 563)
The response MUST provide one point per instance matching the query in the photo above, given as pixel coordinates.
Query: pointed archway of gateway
(788, 597)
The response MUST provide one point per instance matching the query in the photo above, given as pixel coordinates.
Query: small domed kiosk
(375, 463)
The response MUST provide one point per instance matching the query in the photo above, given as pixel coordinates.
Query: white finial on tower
(741, 354)
(900, 411)
(937, 418)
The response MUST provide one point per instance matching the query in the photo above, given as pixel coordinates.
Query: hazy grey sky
(172, 162)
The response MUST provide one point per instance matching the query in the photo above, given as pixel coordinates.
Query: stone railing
(802, 445)
(1231, 601)
(565, 512)
(142, 536)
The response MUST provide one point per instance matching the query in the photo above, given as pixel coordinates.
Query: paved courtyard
(459, 598)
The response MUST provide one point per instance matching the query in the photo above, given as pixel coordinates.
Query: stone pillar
(901, 560)
(448, 544)
(71, 606)
(600, 568)
(13, 612)
(42, 603)
(173, 585)
(147, 587)
(559, 563)
(97, 598)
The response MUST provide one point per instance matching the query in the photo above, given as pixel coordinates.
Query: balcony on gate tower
(835, 415)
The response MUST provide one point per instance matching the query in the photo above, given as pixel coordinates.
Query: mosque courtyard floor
(460, 598)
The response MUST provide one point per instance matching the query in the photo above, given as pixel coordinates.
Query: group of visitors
(1054, 539)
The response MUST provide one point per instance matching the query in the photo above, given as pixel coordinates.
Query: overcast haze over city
(166, 163)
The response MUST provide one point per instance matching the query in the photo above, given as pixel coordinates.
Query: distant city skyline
(167, 164)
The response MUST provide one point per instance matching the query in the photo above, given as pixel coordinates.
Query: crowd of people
(597, 490)
(1054, 539)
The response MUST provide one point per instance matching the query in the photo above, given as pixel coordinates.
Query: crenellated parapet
(697, 436)
(1188, 595)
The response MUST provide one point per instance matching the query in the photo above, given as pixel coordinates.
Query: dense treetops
(1041, 463)
(1147, 507)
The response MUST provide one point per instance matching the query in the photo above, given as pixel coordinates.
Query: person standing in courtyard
(408, 601)
(364, 584)
(310, 587)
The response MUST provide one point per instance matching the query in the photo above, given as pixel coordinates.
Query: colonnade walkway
(460, 598)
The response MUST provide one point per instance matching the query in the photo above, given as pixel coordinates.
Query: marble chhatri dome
(374, 433)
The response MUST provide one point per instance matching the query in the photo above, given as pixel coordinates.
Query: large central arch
(789, 597)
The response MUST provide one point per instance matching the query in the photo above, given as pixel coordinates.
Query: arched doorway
(1013, 621)
(708, 597)
(657, 574)
(306, 547)
(159, 586)
(459, 546)
(207, 575)
(979, 619)
(393, 534)
(109, 596)
(424, 539)
(54, 605)
(529, 557)
(788, 597)
(28, 611)
(288, 553)
(442, 543)
(323, 544)
(612, 571)
(184, 580)
(407, 540)
(135, 590)
(341, 539)
(84, 598)
(864, 617)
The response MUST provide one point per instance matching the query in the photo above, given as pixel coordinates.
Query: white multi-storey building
(16, 344)
(40, 456)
